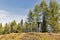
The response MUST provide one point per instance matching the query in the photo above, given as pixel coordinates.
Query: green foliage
(21, 22)
(37, 8)
(1, 29)
(43, 7)
(13, 26)
(36, 13)
(34, 27)
(27, 27)
(30, 16)
(30, 21)
(53, 15)
(19, 28)
(6, 29)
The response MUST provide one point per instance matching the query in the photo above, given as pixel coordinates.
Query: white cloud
(6, 17)
(3, 13)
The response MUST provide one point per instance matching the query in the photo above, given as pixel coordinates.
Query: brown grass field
(30, 36)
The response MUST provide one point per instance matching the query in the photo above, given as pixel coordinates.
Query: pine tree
(34, 27)
(30, 16)
(59, 21)
(27, 27)
(21, 22)
(14, 26)
(37, 13)
(1, 28)
(30, 19)
(19, 28)
(6, 29)
(44, 8)
(53, 14)
(37, 16)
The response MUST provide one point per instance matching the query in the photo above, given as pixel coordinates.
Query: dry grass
(30, 36)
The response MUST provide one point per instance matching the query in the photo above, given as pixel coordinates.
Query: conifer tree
(19, 28)
(30, 19)
(53, 15)
(14, 26)
(37, 16)
(37, 13)
(6, 29)
(21, 22)
(44, 8)
(1, 28)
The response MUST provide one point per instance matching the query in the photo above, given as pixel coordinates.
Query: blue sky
(16, 9)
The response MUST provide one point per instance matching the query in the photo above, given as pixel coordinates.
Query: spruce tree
(19, 28)
(1, 28)
(27, 27)
(21, 22)
(30, 19)
(53, 15)
(13, 26)
(6, 29)
(44, 8)
(37, 16)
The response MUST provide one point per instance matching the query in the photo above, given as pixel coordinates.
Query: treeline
(47, 15)
(15, 27)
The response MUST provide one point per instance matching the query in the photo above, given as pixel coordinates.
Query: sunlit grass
(30, 36)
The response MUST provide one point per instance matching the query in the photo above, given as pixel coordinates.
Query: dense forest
(48, 15)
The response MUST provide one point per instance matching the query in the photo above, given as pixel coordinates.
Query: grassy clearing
(30, 36)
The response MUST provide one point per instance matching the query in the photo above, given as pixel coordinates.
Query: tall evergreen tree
(6, 29)
(1, 29)
(14, 26)
(27, 27)
(30, 16)
(22, 26)
(44, 7)
(37, 16)
(22, 22)
(19, 28)
(37, 12)
(30, 19)
(53, 15)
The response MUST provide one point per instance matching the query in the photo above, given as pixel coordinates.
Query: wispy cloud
(6, 17)
(3, 13)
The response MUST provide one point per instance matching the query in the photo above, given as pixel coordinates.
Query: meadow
(30, 36)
